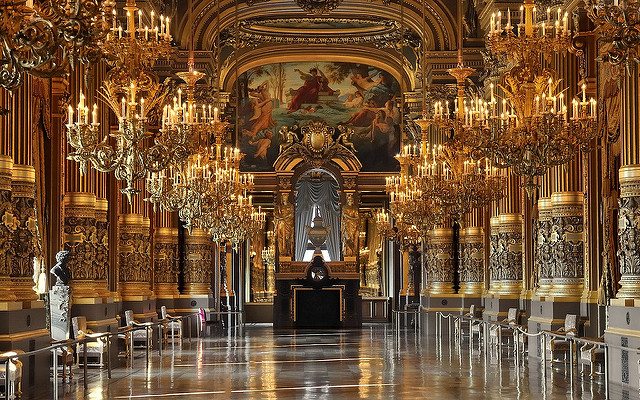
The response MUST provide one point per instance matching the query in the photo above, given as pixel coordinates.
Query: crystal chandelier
(619, 24)
(44, 38)
(137, 152)
(531, 129)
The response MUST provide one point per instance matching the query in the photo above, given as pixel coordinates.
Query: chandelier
(619, 24)
(531, 129)
(44, 38)
(207, 189)
(137, 151)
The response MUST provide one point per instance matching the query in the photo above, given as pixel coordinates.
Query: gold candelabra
(531, 129)
(45, 38)
(131, 90)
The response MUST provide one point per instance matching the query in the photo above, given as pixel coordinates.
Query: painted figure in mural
(262, 145)
(354, 100)
(366, 82)
(349, 227)
(365, 116)
(262, 108)
(308, 92)
(60, 270)
(315, 82)
(284, 215)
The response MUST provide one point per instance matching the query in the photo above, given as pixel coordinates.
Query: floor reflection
(372, 363)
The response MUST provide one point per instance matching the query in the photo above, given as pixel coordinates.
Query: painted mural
(359, 96)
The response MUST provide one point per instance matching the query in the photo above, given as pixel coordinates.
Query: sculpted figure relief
(349, 226)
(284, 214)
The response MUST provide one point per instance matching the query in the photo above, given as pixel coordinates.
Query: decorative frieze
(80, 240)
(471, 261)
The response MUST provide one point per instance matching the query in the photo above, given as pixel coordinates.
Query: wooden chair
(496, 333)
(170, 324)
(475, 327)
(592, 355)
(14, 391)
(139, 335)
(65, 358)
(96, 349)
(562, 346)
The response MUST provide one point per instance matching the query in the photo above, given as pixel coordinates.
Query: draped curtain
(324, 195)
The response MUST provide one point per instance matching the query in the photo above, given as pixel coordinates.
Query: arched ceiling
(365, 31)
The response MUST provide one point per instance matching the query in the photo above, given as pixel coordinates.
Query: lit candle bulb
(70, 115)
(94, 114)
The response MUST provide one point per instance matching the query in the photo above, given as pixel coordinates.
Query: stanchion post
(606, 372)
(6, 379)
(84, 347)
(146, 330)
(108, 340)
(55, 374)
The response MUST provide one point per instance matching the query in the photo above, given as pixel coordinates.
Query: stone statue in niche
(284, 215)
(349, 226)
(60, 270)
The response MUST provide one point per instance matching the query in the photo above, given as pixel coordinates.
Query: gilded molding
(165, 253)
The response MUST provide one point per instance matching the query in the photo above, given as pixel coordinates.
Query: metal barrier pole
(606, 372)
(146, 330)
(160, 339)
(6, 379)
(109, 356)
(55, 374)
(571, 362)
(84, 346)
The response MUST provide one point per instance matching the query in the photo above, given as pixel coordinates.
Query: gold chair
(65, 358)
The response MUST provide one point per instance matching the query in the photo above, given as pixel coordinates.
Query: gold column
(509, 226)
(133, 258)
(439, 261)
(494, 255)
(102, 244)
(472, 255)
(543, 248)
(198, 262)
(7, 227)
(629, 175)
(165, 253)
(567, 242)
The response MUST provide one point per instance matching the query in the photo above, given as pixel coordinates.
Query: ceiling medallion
(318, 7)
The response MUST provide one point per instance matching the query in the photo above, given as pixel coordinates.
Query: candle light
(70, 117)
(142, 107)
(508, 18)
(499, 21)
(548, 13)
(215, 114)
(94, 114)
(584, 93)
(179, 96)
(122, 109)
(139, 19)
(521, 14)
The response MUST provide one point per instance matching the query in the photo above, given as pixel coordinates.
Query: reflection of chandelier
(46, 38)
(133, 158)
(619, 25)
(531, 130)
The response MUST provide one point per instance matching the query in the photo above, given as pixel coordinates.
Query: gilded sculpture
(349, 226)
(284, 216)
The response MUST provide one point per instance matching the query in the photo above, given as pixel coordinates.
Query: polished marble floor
(372, 363)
